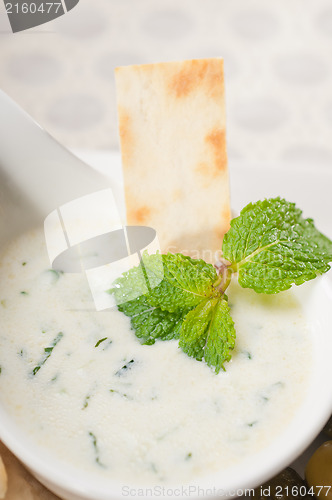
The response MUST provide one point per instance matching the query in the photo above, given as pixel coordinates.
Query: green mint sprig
(270, 247)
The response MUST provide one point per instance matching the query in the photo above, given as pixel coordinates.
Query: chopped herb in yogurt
(86, 402)
(56, 274)
(100, 341)
(47, 353)
(96, 449)
(122, 394)
(105, 344)
(125, 368)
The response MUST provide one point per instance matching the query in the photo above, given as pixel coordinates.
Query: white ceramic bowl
(72, 484)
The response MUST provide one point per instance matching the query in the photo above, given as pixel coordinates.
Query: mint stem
(225, 272)
(225, 282)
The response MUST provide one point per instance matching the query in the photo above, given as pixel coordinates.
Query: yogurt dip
(82, 386)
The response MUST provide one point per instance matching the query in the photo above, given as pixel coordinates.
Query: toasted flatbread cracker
(172, 135)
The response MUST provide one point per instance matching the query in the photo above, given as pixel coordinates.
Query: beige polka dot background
(278, 65)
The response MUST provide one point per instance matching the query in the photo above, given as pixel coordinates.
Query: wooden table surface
(21, 484)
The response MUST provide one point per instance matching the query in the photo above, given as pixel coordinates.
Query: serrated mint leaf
(130, 285)
(221, 337)
(185, 284)
(172, 282)
(194, 329)
(273, 247)
(208, 333)
(151, 323)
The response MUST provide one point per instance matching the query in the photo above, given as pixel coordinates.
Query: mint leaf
(172, 282)
(186, 283)
(151, 323)
(208, 332)
(161, 312)
(194, 329)
(273, 247)
(158, 312)
(130, 285)
(221, 337)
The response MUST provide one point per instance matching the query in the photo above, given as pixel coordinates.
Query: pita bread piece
(172, 134)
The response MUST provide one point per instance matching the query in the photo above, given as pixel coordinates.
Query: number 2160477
(32, 8)
(298, 491)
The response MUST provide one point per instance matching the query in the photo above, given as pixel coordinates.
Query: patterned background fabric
(278, 67)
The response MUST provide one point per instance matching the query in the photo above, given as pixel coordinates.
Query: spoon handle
(35, 165)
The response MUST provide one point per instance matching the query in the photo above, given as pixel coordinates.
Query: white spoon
(37, 174)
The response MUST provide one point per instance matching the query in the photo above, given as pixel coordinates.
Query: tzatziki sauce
(81, 385)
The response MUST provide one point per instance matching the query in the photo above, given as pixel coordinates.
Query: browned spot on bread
(126, 136)
(139, 215)
(217, 141)
(226, 215)
(177, 193)
(204, 75)
(217, 232)
(188, 78)
(202, 167)
(206, 174)
(220, 232)
(224, 226)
